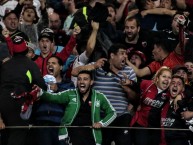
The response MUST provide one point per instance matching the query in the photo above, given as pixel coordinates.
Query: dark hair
(133, 18)
(179, 77)
(140, 4)
(160, 41)
(115, 48)
(11, 12)
(111, 5)
(86, 72)
(188, 59)
(143, 62)
(34, 9)
(60, 62)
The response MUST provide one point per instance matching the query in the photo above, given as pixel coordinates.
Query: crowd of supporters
(96, 63)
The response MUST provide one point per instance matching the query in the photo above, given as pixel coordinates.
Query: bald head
(54, 22)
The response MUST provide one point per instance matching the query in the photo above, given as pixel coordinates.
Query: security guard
(17, 76)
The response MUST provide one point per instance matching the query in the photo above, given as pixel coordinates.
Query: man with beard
(117, 81)
(83, 108)
(137, 39)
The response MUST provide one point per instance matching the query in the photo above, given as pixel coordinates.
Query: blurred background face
(131, 29)
(68, 4)
(175, 25)
(28, 2)
(112, 14)
(181, 4)
(29, 15)
(54, 22)
(136, 60)
(11, 22)
(166, 4)
(156, 3)
(156, 53)
(182, 73)
(189, 66)
(149, 4)
(30, 53)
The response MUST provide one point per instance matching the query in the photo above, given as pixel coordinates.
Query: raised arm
(180, 48)
(19, 7)
(158, 11)
(120, 10)
(65, 53)
(92, 39)
(43, 21)
(89, 67)
(8, 40)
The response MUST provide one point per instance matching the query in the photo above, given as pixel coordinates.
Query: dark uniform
(172, 119)
(17, 75)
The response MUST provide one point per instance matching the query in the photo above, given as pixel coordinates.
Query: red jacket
(40, 61)
(151, 105)
(64, 54)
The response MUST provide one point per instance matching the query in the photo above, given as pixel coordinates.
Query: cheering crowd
(96, 72)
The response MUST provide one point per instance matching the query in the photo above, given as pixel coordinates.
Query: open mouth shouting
(29, 15)
(174, 91)
(165, 84)
(82, 88)
(44, 48)
(123, 63)
(189, 73)
(51, 70)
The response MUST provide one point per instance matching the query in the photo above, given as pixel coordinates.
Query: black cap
(179, 67)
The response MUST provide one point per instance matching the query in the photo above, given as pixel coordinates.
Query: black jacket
(17, 75)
